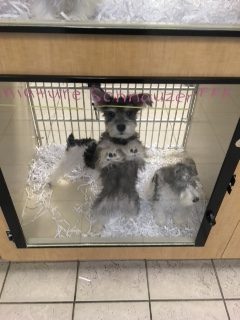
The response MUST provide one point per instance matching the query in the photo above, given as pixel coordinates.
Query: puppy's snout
(121, 127)
(196, 199)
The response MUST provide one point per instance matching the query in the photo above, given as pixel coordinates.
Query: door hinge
(210, 218)
(231, 184)
(9, 235)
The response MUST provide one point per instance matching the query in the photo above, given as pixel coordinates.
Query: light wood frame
(95, 55)
(91, 55)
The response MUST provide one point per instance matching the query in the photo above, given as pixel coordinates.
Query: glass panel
(183, 139)
(222, 14)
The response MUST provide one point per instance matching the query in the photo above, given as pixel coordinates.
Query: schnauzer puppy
(118, 155)
(174, 190)
(77, 150)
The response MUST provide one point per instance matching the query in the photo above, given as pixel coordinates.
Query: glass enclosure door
(135, 172)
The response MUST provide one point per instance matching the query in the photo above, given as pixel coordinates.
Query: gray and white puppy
(119, 154)
(174, 190)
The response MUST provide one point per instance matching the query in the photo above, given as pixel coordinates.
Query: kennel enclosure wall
(60, 109)
(125, 56)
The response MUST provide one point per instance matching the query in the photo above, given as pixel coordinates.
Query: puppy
(118, 155)
(175, 189)
(77, 154)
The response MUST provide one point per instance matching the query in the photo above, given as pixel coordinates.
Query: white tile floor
(106, 290)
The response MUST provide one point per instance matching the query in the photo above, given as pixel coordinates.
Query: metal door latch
(211, 218)
(9, 235)
(237, 143)
(231, 184)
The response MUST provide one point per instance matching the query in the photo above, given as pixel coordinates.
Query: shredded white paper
(40, 200)
(126, 11)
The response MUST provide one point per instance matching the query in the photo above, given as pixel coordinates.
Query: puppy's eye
(129, 114)
(110, 115)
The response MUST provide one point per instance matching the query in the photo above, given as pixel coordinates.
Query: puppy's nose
(196, 199)
(121, 127)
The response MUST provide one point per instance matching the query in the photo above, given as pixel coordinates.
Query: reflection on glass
(146, 181)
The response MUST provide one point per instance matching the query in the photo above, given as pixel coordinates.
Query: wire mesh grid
(61, 108)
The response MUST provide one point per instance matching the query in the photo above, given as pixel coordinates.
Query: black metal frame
(118, 79)
(16, 233)
(227, 170)
(221, 186)
(178, 30)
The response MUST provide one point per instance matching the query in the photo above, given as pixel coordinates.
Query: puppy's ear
(140, 100)
(178, 169)
(145, 99)
(158, 177)
(192, 166)
(100, 97)
(105, 144)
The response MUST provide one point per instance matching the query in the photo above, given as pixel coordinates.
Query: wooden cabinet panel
(99, 55)
(233, 247)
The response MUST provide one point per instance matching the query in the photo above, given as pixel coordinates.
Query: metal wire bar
(161, 117)
(51, 129)
(140, 121)
(165, 136)
(70, 110)
(85, 86)
(154, 116)
(41, 120)
(146, 130)
(35, 122)
(63, 113)
(175, 116)
(91, 111)
(182, 118)
(55, 109)
(84, 120)
(190, 112)
(76, 101)
(84, 112)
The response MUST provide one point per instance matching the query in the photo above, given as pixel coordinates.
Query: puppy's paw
(160, 220)
(158, 214)
(111, 156)
(133, 151)
(97, 228)
(180, 218)
(50, 182)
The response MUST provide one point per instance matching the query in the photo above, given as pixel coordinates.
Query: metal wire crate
(61, 108)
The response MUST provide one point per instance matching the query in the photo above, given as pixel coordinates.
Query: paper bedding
(39, 192)
(223, 12)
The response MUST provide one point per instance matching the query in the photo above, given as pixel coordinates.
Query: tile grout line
(149, 297)
(115, 301)
(220, 288)
(75, 291)
(226, 246)
(4, 281)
